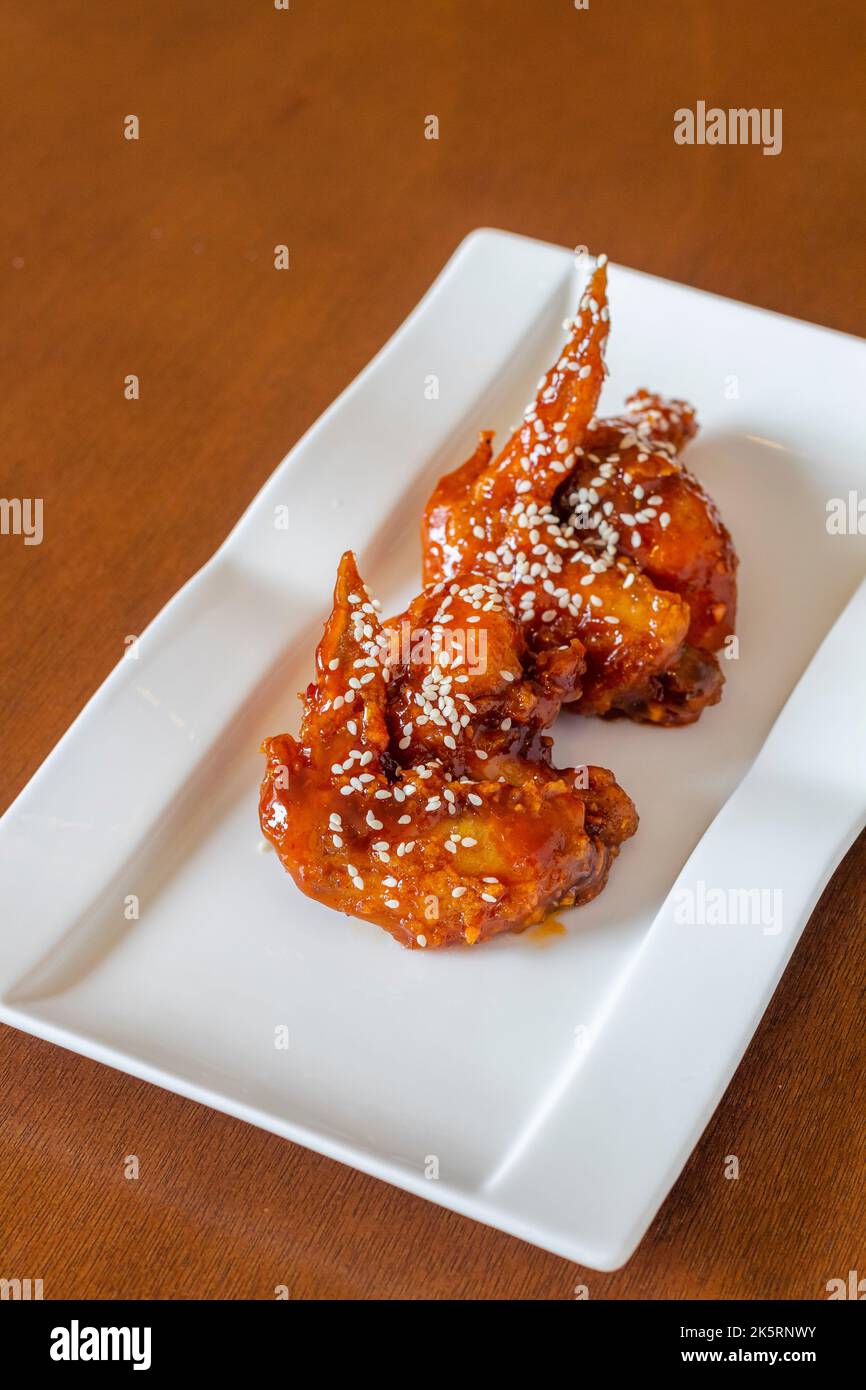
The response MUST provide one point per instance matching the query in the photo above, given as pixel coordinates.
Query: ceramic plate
(549, 1084)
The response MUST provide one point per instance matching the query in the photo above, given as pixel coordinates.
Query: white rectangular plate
(561, 1081)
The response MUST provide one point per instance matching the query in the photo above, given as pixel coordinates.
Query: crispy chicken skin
(684, 545)
(435, 843)
(598, 533)
(469, 691)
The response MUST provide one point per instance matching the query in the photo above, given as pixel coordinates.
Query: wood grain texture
(155, 257)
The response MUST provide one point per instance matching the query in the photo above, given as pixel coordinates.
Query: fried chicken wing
(556, 520)
(682, 543)
(465, 687)
(434, 842)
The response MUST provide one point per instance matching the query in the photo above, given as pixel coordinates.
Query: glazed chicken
(466, 689)
(420, 793)
(597, 532)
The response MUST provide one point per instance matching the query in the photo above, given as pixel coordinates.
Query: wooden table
(155, 257)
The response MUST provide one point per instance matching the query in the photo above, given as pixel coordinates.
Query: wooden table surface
(155, 257)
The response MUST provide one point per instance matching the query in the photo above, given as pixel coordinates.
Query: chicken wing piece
(434, 858)
(567, 576)
(465, 688)
(474, 510)
(668, 424)
(670, 527)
